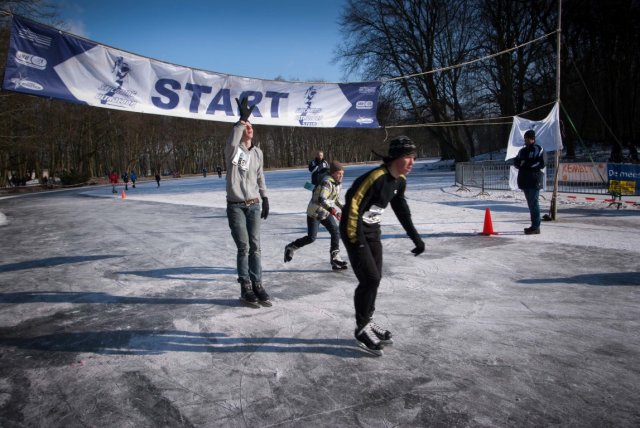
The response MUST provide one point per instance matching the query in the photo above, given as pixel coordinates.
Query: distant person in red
(113, 179)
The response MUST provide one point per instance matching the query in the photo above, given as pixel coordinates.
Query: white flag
(547, 133)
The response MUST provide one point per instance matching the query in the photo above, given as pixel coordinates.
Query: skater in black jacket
(360, 232)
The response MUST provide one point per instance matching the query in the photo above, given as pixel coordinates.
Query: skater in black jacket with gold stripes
(360, 232)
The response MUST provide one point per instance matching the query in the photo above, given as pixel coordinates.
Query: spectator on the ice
(323, 209)
(246, 188)
(530, 162)
(113, 179)
(158, 179)
(318, 168)
(219, 171)
(365, 202)
(204, 172)
(125, 179)
(134, 177)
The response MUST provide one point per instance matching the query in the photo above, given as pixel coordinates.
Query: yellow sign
(622, 187)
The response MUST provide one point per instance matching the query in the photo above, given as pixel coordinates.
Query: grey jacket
(245, 178)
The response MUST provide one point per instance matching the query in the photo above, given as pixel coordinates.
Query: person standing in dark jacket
(530, 162)
(365, 201)
(318, 168)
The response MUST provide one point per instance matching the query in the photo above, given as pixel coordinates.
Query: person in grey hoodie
(247, 203)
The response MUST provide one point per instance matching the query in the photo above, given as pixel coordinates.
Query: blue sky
(294, 40)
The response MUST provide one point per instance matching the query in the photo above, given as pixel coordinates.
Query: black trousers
(366, 262)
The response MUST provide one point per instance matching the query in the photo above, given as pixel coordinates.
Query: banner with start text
(46, 62)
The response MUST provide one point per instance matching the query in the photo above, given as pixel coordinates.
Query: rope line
(462, 64)
(471, 122)
(595, 106)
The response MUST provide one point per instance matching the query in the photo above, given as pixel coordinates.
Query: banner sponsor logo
(116, 95)
(364, 120)
(22, 82)
(36, 39)
(624, 179)
(367, 90)
(582, 173)
(32, 61)
(364, 105)
(307, 115)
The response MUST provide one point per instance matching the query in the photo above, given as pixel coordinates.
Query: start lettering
(170, 93)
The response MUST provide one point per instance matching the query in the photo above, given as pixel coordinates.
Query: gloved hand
(265, 209)
(419, 248)
(245, 110)
(334, 212)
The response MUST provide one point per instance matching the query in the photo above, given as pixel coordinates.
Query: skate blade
(386, 341)
(377, 353)
(265, 303)
(250, 304)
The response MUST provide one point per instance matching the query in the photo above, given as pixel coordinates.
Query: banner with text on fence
(47, 62)
(624, 179)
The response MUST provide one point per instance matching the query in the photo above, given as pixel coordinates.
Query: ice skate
(247, 295)
(261, 294)
(532, 230)
(367, 340)
(288, 252)
(336, 262)
(382, 333)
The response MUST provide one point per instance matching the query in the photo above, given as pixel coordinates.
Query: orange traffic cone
(488, 226)
(124, 196)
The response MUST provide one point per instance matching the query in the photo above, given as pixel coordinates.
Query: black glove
(419, 248)
(265, 210)
(245, 110)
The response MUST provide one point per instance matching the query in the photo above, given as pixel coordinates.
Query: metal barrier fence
(495, 175)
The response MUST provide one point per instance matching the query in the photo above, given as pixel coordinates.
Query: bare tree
(406, 40)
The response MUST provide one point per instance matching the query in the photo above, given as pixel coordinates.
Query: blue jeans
(244, 222)
(312, 232)
(532, 196)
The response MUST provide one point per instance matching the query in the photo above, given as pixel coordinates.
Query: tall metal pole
(554, 198)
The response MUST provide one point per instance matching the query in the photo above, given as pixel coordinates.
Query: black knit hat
(400, 146)
(530, 134)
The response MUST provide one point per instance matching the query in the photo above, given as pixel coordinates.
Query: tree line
(400, 42)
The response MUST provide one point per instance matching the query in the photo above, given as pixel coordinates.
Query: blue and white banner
(47, 62)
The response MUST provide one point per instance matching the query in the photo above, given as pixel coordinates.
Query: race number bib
(241, 159)
(373, 215)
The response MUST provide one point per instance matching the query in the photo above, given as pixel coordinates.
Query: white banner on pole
(547, 133)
